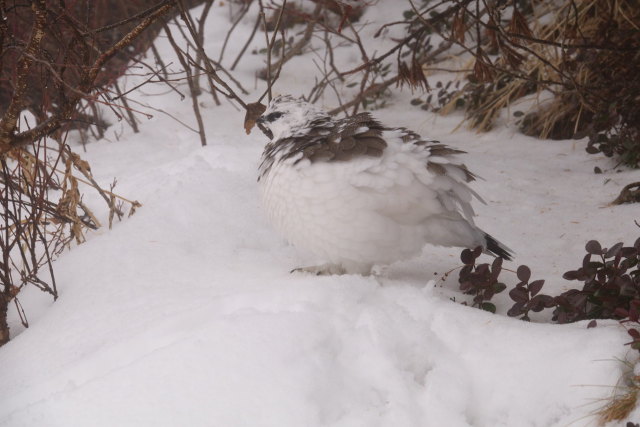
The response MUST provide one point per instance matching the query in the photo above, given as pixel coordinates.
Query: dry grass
(622, 403)
(591, 77)
(584, 52)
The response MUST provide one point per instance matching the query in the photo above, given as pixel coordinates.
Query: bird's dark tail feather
(496, 248)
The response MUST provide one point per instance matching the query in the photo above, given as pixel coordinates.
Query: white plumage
(357, 193)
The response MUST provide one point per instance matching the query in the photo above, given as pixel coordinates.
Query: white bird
(358, 194)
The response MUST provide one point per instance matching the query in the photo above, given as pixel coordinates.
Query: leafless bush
(52, 70)
(583, 54)
(62, 68)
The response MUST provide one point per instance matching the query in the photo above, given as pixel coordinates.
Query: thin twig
(270, 44)
(246, 45)
(241, 15)
(297, 48)
(190, 82)
(132, 119)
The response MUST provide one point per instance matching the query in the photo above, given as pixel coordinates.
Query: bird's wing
(342, 140)
(415, 179)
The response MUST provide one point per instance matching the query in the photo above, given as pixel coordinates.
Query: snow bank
(186, 315)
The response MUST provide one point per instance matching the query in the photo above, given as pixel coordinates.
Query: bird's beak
(260, 121)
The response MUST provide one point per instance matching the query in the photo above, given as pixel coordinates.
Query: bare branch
(191, 83)
(246, 45)
(10, 117)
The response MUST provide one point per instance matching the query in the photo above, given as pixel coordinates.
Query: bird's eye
(273, 116)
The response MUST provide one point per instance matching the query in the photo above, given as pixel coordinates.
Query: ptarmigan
(358, 193)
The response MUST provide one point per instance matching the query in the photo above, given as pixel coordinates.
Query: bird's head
(286, 116)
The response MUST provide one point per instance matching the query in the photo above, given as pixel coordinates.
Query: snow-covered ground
(186, 314)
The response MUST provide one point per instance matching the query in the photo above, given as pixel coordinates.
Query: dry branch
(7, 125)
(34, 227)
(10, 117)
(192, 85)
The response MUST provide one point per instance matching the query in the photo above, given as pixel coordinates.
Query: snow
(185, 314)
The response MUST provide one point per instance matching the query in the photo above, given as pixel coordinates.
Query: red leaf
(516, 310)
(519, 295)
(496, 268)
(593, 247)
(613, 251)
(467, 257)
(535, 286)
(523, 273)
